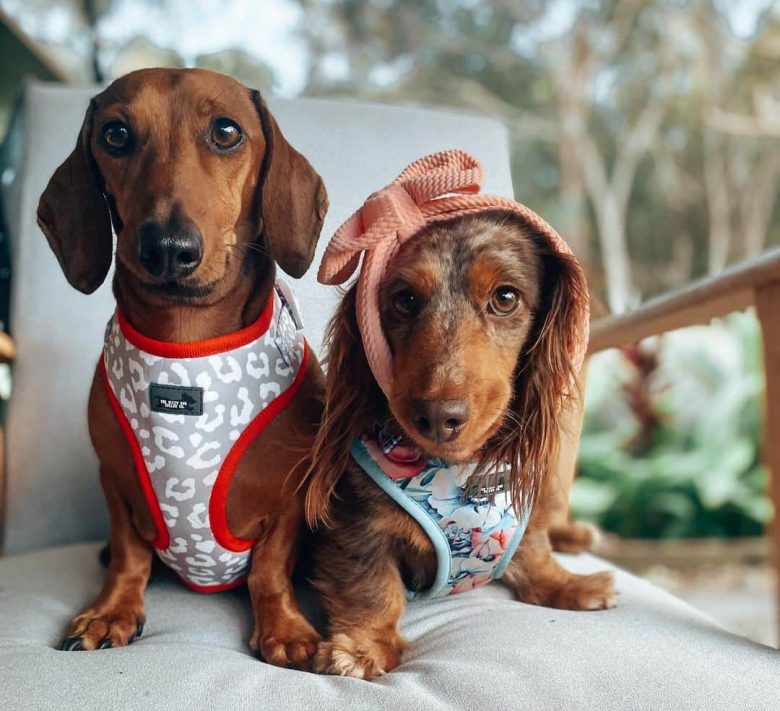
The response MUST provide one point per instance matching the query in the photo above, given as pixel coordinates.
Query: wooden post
(7, 354)
(768, 308)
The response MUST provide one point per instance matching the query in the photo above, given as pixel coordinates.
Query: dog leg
(282, 636)
(567, 536)
(537, 578)
(364, 599)
(574, 537)
(116, 617)
(533, 573)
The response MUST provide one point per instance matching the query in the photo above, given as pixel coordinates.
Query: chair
(476, 650)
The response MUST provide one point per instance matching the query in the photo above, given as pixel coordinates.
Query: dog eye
(116, 136)
(405, 303)
(504, 301)
(226, 133)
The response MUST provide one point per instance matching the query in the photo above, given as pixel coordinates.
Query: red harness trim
(214, 588)
(218, 501)
(163, 539)
(198, 349)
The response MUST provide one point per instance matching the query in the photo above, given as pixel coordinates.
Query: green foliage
(700, 474)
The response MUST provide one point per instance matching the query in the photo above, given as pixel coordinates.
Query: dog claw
(139, 630)
(76, 644)
(71, 644)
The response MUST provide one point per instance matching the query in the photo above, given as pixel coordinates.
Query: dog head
(196, 177)
(483, 316)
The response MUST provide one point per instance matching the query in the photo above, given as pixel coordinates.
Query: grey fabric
(479, 650)
(52, 491)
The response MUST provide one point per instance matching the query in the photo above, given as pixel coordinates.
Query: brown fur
(256, 204)
(517, 374)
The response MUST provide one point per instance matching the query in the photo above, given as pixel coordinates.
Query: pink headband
(437, 187)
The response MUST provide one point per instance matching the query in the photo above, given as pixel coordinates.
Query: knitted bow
(434, 188)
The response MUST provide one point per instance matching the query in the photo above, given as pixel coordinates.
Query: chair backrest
(52, 491)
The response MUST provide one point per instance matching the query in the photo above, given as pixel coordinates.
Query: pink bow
(391, 215)
(434, 188)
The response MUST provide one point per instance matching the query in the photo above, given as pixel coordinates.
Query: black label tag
(176, 399)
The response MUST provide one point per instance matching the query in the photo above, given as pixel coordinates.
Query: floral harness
(474, 534)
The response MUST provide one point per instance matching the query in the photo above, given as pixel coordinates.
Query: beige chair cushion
(477, 650)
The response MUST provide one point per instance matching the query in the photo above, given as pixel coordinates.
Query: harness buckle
(289, 302)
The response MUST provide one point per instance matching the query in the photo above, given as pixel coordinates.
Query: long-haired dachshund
(449, 366)
(207, 394)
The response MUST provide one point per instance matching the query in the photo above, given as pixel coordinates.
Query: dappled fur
(369, 548)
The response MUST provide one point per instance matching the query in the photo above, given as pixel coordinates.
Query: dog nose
(440, 420)
(172, 251)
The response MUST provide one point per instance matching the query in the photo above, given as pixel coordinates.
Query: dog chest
(189, 411)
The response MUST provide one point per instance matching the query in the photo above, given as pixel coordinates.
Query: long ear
(353, 400)
(75, 218)
(292, 199)
(546, 375)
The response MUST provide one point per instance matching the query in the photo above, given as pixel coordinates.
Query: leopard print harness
(189, 411)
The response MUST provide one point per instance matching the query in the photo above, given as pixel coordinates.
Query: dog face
(196, 176)
(458, 310)
(485, 318)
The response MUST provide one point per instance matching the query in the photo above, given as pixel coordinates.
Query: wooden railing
(753, 283)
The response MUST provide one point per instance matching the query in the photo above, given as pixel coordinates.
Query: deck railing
(754, 283)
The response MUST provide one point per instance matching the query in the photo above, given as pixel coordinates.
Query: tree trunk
(759, 201)
(718, 202)
(90, 13)
(574, 226)
(611, 219)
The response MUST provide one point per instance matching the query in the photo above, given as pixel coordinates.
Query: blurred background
(646, 131)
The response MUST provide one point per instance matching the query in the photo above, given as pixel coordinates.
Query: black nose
(440, 420)
(171, 250)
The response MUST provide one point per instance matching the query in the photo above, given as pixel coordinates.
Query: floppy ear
(352, 402)
(292, 198)
(546, 374)
(75, 218)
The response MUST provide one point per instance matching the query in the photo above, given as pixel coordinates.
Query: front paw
(290, 644)
(343, 656)
(583, 592)
(103, 629)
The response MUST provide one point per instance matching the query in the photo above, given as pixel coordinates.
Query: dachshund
(453, 360)
(204, 371)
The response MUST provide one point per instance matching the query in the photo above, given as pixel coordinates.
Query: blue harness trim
(467, 555)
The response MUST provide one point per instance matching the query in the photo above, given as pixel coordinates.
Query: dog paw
(291, 645)
(102, 630)
(575, 537)
(343, 656)
(586, 592)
